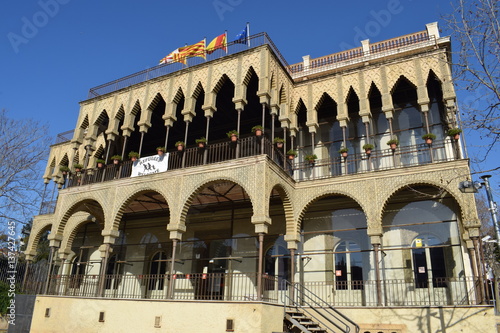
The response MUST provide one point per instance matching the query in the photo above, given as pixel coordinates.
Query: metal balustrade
(198, 286)
(333, 166)
(243, 287)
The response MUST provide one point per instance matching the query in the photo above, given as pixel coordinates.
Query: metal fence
(199, 286)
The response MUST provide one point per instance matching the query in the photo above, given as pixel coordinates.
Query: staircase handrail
(333, 312)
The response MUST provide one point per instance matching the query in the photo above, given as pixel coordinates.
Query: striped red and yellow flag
(218, 42)
(195, 50)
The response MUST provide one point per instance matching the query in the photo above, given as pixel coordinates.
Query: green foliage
(201, 140)
(292, 152)
(368, 146)
(116, 157)
(133, 154)
(100, 161)
(78, 166)
(180, 143)
(343, 150)
(64, 168)
(454, 131)
(231, 133)
(278, 140)
(431, 136)
(311, 158)
(161, 148)
(393, 141)
(256, 127)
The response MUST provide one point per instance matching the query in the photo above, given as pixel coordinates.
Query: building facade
(235, 229)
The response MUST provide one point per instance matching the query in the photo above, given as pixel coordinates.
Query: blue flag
(242, 36)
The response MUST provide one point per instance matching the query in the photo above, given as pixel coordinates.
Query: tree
(23, 147)
(475, 28)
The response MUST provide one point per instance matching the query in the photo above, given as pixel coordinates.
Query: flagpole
(225, 41)
(205, 48)
(248, 34)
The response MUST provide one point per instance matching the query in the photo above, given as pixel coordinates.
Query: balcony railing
(243, 287)
(190, 157)
(165, 69)
(334, 166)
(198, 286)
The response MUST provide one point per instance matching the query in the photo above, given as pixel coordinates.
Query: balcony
(299, 170)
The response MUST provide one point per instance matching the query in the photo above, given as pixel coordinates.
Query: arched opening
(225, 118)
(355, 126)
(408, 123)
(155, 136)
(337, 250)
(422, 245)
(329, 127)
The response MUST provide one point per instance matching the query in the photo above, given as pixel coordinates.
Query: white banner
(149, 165)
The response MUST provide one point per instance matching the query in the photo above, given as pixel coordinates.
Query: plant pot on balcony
(64, 170)
(116, 159)
(233, 135)
(133, 156)
(393, 143)
(160, 150)
(180, 145)
(311, 159)
(429, 137)
(100, 163)
(78, 167)
(291, 154)
(368, 147)
(454, 133)
(202, 142)
(278, 142)
(343, 152)
(257, 130)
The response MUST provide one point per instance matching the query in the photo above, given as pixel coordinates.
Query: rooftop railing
(343, 58)
(165, 69)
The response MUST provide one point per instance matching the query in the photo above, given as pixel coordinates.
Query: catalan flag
(195, 50)
(219, 42)
(174, 56)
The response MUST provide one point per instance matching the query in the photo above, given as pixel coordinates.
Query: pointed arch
(157, 99)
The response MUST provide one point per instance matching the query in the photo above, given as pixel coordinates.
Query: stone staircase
(297, 321)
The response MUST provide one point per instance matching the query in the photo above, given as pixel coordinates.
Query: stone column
(261, 224)
(54, 244)
(376, 240)
(106, 250)
(176, 230)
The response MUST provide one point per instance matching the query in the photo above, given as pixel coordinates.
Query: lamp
(469, 186)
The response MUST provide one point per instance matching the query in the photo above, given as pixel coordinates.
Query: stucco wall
(82, 315)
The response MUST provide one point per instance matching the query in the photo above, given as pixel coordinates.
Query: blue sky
(54, 51)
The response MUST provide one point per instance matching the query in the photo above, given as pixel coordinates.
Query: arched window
(157, 270)
(277, 263)
(348, 266)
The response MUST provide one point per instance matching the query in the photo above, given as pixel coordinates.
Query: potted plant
(160, 150)
(393, 143)
(429, 137)
(233, 135)
(116, 159)
(279, 142)
(311, 158)
(78, 167)
(180, 145)
(455, 133)
(201, 142)
(133, 155)
(64, 169)
(368, 147)
(100, 163)
(343, 151)
(257, 129)
(291, 154)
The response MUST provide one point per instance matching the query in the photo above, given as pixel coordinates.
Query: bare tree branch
(23, 147)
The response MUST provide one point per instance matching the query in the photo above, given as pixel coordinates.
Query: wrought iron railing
(243, 287)
(165, 69)
(198, 286)
(401, 292)
(334, 166)
(190, 157)
(299, 296)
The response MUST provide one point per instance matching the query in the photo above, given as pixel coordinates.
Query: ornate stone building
(228, 232)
